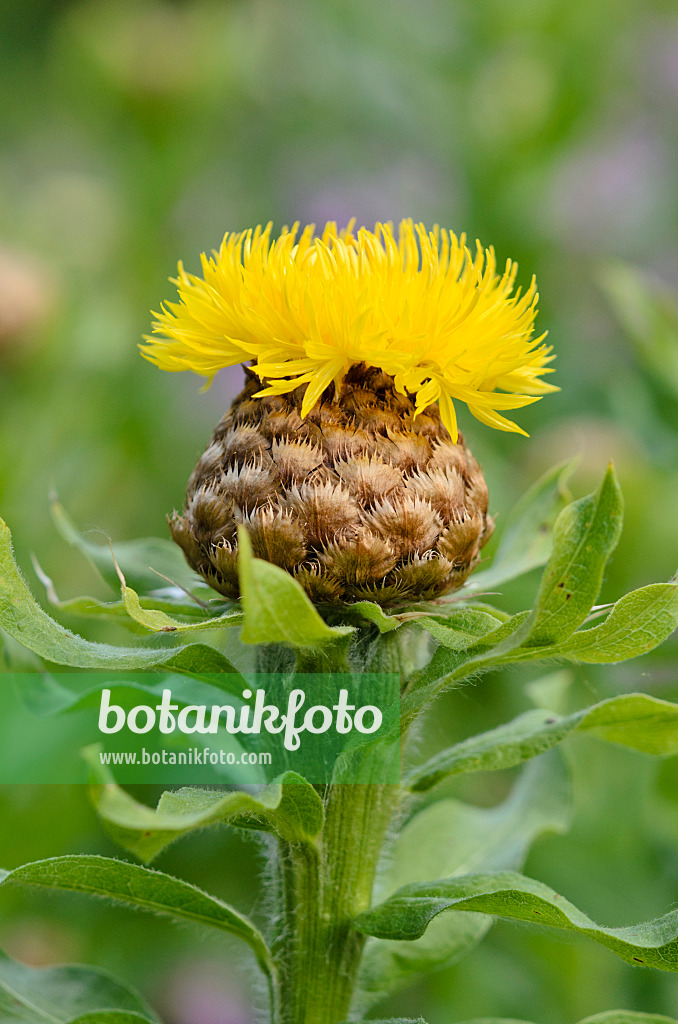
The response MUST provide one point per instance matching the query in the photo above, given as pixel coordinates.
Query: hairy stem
(323, 887)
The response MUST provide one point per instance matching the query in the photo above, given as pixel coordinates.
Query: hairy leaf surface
(141, 887)
(27, 622)
(450, 838)
(633, 720)
(407, 914)
(585, 535)
(289, 806)
(158, 621)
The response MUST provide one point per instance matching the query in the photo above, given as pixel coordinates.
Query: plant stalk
(323, 887)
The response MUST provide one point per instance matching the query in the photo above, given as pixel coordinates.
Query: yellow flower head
(422, 307)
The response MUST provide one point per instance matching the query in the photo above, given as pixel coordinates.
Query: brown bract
(361, 500)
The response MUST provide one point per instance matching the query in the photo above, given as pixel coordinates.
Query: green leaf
(420, 612)
(46, 695)
(172, 600)
(375, 614)
(141, 887)
(448, 838)
(158, 621)
(526, 541)
(136, 558)
(288, 806)
(23, 618)
(459, 656)
(463, 628)
(585, 535)
(407, 914)
(638, 623)
(61, 995)
(633, 720)
(276, 607)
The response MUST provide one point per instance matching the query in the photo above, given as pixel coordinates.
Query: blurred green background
(136, 133)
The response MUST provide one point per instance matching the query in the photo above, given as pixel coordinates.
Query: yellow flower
(421, 307)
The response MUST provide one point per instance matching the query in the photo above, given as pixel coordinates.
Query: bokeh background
(134, 134)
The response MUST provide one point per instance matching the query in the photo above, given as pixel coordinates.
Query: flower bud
(360, 500)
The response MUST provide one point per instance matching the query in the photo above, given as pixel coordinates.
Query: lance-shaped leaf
(461, 654)
(66, 995)
(422, 612)
(137, 558)
(585, 535)
(638, 623)
(448, 838)
(168, 599)
(46, 695)
(140, 887)
(407, 914)
(464, 628)
(633, 720)
(526, 541)
(158, 621)
(276, 607)
(23, 618)
(288, 806)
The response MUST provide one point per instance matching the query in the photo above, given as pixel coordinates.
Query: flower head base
(361, 500)
(420, 307)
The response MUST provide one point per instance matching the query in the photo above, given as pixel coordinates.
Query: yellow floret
(422, 307)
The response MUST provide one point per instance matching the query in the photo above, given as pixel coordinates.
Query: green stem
(323, 887)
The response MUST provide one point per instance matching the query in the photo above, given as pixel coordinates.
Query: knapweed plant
(331, 527)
